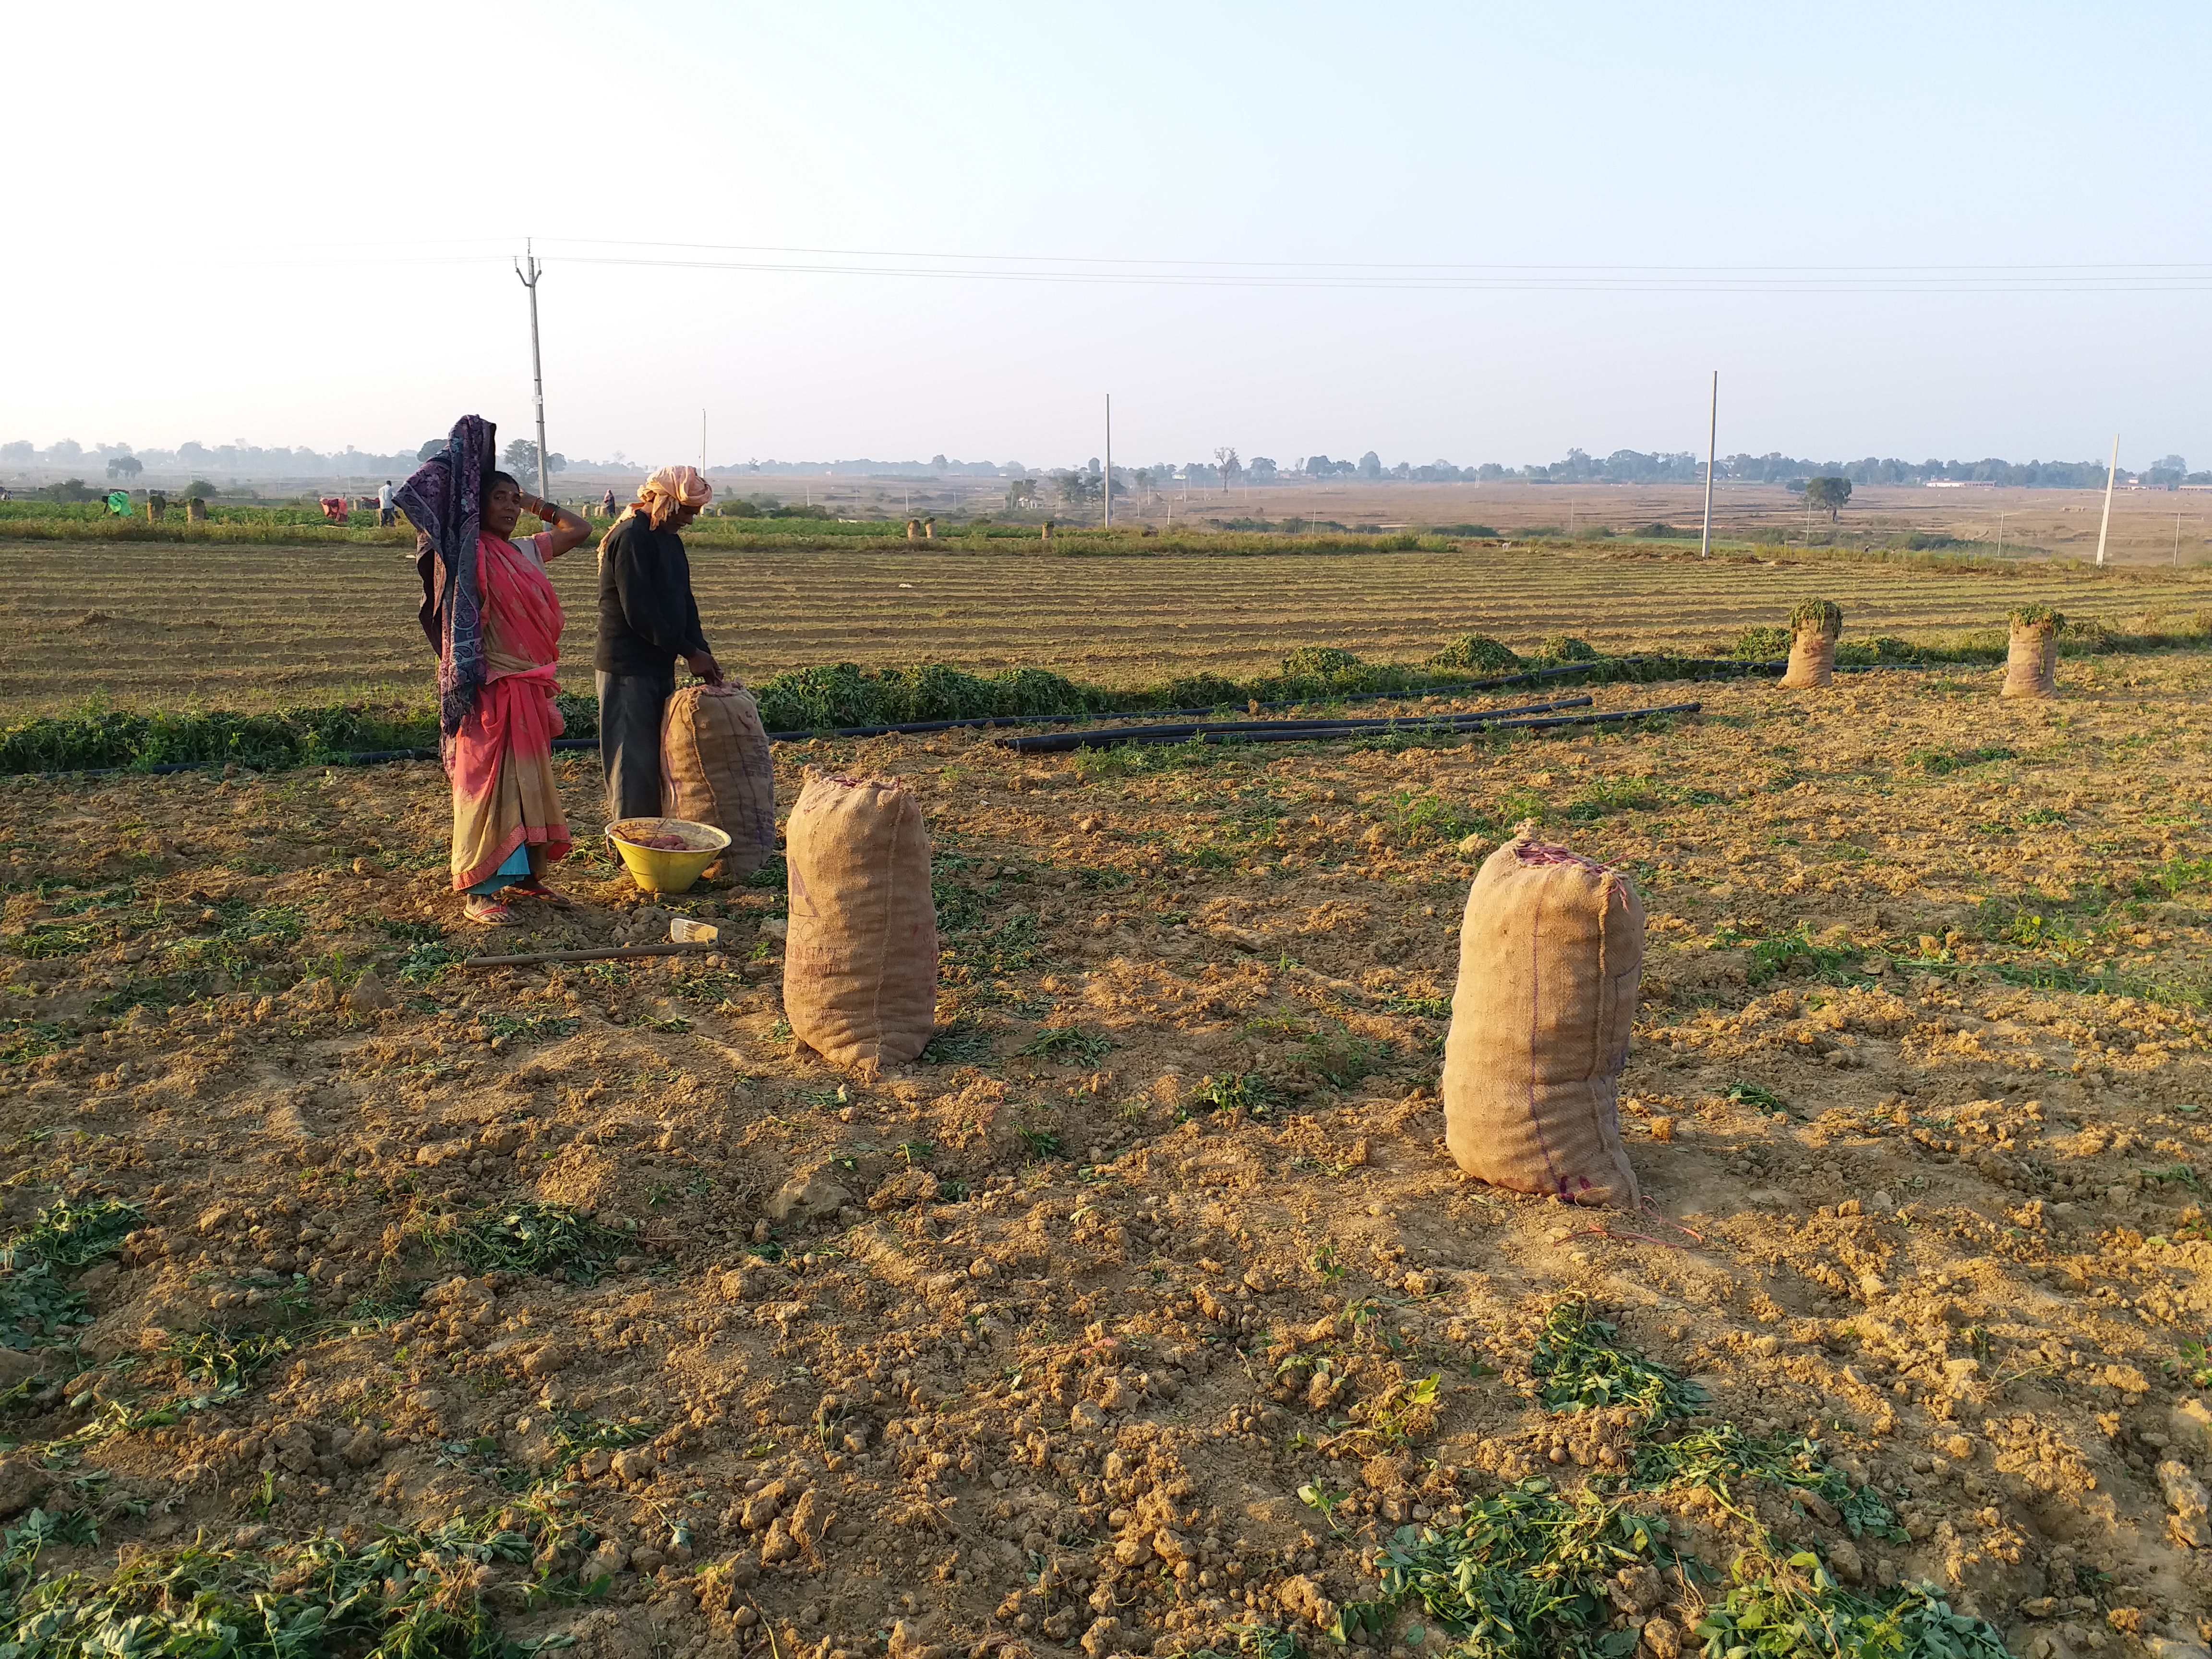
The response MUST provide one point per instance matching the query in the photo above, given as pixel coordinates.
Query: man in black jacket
(647, 619)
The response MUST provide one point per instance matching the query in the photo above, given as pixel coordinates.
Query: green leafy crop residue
(1523, 1576)
(1585, 1369)
(36, 1307)
(528, 1237)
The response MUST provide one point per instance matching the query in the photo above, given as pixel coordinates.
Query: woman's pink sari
(501, 760)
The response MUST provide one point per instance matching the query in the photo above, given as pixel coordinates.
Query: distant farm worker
(384, 514)
(607, 505)
(495, 621)
(648, 620)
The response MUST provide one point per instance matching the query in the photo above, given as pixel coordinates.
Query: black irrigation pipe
(1054, 743)
(992, 721)
(1062, 742)
(1720, 667)
(1459, 688)
(988, 720)
(1321, 723)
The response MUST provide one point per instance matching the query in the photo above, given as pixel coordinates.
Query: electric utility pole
(2112, 472)
(1712, 435)
(1109, 460)
(528, 270)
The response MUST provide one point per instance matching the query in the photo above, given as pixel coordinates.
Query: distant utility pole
(1109, 460)
(2112, 472)
(703, 443)
(528, 270)
(1712, 434)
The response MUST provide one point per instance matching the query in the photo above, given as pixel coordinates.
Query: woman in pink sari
(493, 620)
(508, 822)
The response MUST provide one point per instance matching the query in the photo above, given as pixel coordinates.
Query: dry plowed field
(169, 627)
(1146, 1309)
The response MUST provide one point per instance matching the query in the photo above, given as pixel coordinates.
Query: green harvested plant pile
(1475, 654)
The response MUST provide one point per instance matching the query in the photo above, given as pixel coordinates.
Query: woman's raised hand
(567, 529)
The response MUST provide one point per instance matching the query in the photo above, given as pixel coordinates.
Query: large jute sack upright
(715, 768)
(1551, 952)
(2032, 660)
(859, 959)
(1815, 626)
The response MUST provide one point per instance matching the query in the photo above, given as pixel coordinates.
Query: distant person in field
(648, 621)
(384, 514)
(607, 504)
(496, 622)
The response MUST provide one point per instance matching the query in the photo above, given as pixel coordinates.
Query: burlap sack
(1551, 952)
(714, 768)
(2032, 662)
(860, 960)
(1812, 658)
(1814, 626)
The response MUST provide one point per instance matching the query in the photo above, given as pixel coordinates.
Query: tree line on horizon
(1225, 470)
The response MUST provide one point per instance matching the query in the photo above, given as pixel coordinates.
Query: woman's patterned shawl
(444, 500)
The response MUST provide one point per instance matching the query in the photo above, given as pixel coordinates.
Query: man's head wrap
(670, 488)
(659, 496)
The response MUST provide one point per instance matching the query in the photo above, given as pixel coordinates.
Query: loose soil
(1039, 1339)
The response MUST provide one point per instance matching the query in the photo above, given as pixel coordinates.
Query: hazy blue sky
(291, 224)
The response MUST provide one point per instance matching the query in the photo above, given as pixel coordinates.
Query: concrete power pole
(2112, 472)
(528, 270)
(1712, 435)
(1109, 460)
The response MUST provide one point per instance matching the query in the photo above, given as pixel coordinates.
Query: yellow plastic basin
(664, 869)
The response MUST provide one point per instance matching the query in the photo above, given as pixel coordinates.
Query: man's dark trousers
(630, 708)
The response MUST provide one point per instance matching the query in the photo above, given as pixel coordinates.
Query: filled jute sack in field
(714, 768)
(1815, 626)
(860, 961)
(2032, 661)
(1551, 952)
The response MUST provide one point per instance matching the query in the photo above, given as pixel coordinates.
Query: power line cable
(1349, 276)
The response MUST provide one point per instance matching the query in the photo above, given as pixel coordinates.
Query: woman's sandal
(487, 911)
(535, 888)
